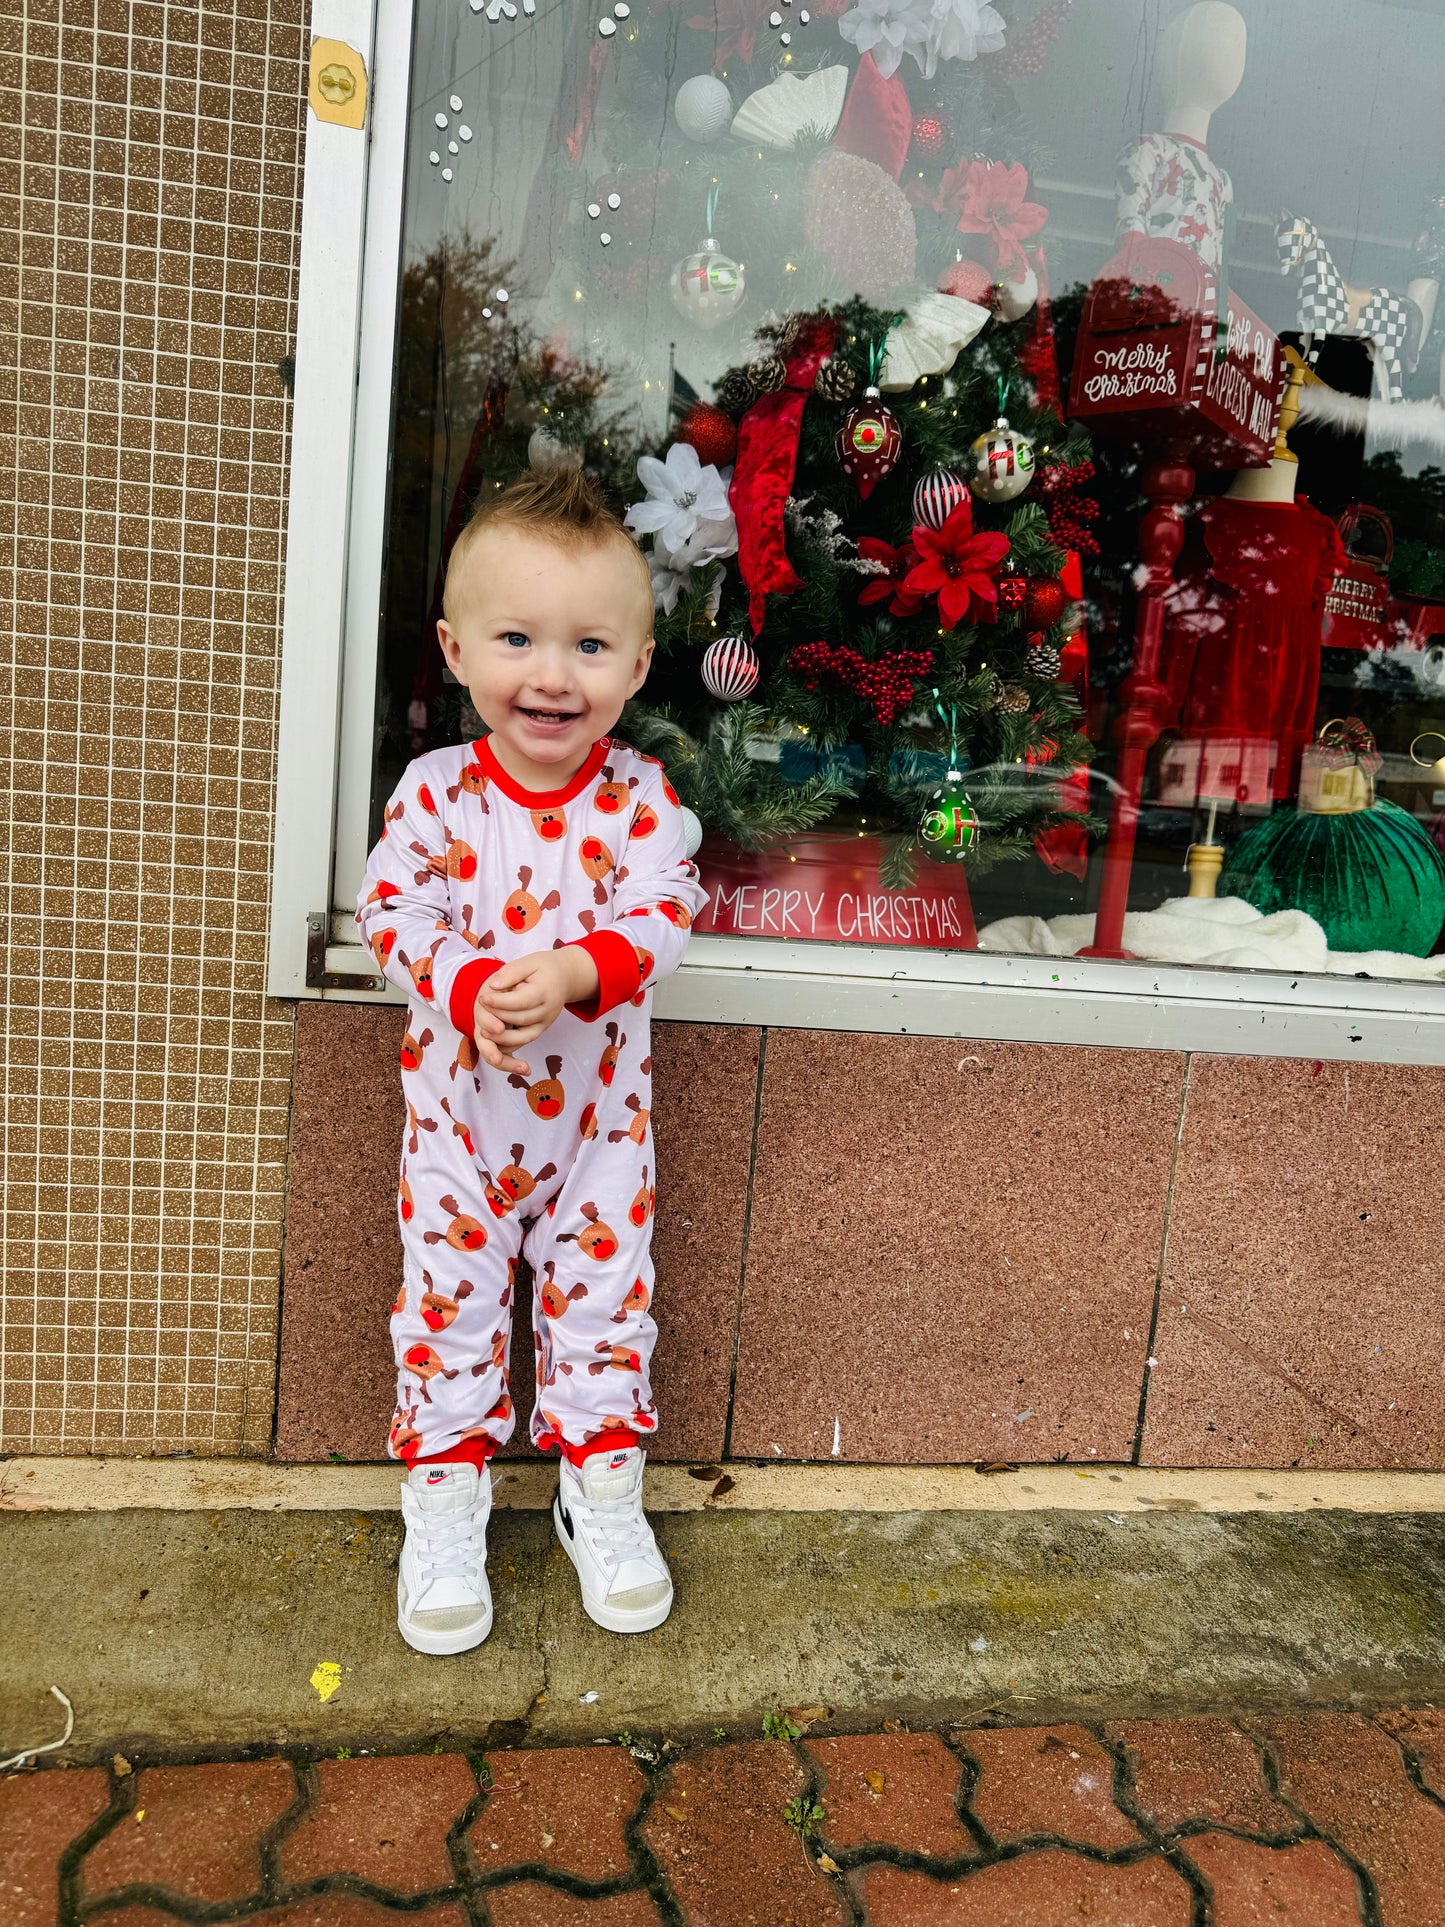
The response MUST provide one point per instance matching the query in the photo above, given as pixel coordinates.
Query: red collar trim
(540, 799)
(1189, 141)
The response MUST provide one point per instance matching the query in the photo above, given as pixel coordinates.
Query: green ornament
(949, 826)
(1372, 879)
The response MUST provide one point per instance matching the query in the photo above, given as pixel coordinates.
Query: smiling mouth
(550, 718)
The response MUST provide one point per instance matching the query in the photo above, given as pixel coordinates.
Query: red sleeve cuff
(462, 1008)
(618, 973)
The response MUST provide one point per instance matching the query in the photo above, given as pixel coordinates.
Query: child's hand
(519, 1001)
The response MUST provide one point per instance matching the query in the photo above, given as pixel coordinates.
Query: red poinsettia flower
(958, 567)
(897, 562)
(989, 198)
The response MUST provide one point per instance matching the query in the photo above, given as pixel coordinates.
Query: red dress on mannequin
(1242, 640)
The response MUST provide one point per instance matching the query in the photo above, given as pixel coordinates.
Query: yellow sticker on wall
(326, 1679)
(338, 83)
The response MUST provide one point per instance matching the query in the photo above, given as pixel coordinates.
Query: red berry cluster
(1028, 47)
(887, 683)
(1070, 509)
(930, 134)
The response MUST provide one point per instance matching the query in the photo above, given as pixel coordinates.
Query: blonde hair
(559, 505)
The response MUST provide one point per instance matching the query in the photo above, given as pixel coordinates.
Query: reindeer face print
(405, 1202)
(637, 1129)
(546, 1097)
(643, 1205)
(437, 1310)
(620, 1357)
(645, 962)
(612, 797)
(522, 911)
(607, 1067)
(636, 1301)
(412, 1050)
(421, 969)
(473, 781)
(587, 1124)
(382, 945)
(555, 1299)
(424, 797)
(398, 1304)
(461, 860)
(675, 912)
(422, 1362)
(671, 794)
(384, 892)
(418, 1125)
(598, 1241)
(595, 857)
(403, 1429)
(463, 1233)
(550, 824)
(468, 1056)
(519, 1184)
(460, 1130)
(483, 942)
(500, 1201)
(644, 821)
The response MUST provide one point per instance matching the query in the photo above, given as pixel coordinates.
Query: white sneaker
(443, 1601)
(626, 1585)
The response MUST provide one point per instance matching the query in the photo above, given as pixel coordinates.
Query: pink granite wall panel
(1301, 1317)
(343, 1257)
(953, 1249)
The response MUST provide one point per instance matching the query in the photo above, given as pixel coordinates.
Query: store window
(1032, 415)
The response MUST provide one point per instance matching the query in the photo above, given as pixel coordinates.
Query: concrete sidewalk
(185, 1631)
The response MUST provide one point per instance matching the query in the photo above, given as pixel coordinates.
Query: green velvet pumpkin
(1373, 879)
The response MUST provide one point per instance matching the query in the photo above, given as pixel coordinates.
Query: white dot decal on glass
(607, 28)
(486, 314)
(441, 120)
(614, 201)
(593, 210)
(606, 240)
(455, 103)
(775, 19)
(466, 133)
(805, 16)
(786, 38)
(622, 10)
(452, 148)
(446, 173)
(435, 158)
(503, 296)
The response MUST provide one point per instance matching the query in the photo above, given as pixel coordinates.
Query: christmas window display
(1033, 427)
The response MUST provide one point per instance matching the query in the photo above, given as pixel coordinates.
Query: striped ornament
(730, 668)
(936, 496)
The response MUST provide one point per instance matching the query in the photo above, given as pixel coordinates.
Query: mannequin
(1168, 186)
(1242, 639)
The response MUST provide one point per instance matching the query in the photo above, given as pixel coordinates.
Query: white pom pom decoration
(702, 107)
(730, 668)
(936, 496)
(1013, 299)
(691, 831)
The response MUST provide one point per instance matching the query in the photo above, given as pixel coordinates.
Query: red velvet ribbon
(763, 478)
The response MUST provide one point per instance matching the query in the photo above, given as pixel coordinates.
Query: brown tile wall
(149, 184)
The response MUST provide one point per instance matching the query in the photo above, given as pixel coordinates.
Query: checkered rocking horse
(1328, 306)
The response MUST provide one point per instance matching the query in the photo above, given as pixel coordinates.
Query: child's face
(550, 643)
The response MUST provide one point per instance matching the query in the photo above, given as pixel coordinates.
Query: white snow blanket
(1224, 931)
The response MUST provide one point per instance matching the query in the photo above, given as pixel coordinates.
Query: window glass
(1032, 415)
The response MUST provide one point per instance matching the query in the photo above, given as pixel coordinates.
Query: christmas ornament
(1015, 295)
(930, 135)
(868, 443)
(860, 223)
(1003, 463)
(791, 105)
(702, 107)
(1044, 661)
(1013, 699)
(735, 392)
(1013, 590)
(767, 374)
(936, 495)
(949, 826)
(708, 287)
(1045, 602)
(730, 668)
(711, 432)
(927, 339)
(835, 380)
(887, 683)
(969, 280)
(691, 832)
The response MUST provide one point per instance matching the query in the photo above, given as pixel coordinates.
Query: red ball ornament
(712, 433)
(1013, 592)
(970, 280)
(1045, 601)
(930, 134)
(868, 443)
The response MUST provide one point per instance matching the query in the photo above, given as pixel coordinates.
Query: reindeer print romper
(471, 872)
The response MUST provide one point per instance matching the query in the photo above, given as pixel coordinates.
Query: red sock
(616, 1441)
(469, 1452)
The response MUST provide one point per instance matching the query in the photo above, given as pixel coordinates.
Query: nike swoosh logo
(567, 1521)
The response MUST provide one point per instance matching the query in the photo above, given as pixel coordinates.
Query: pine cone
(835, 380)
(1045, 662)
(767, 374)
(1015, 699)
(735, 392)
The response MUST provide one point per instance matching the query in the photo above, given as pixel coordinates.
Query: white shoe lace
(444, 1546)
(620, 1525)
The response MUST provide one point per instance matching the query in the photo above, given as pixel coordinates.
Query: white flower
(886, 29)
(710, 541)
(681, 495)
(669, 581)
(959, 30)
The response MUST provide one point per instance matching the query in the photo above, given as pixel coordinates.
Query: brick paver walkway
(1328, 1820)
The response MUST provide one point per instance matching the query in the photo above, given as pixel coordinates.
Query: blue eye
(516, 638)
(589, 645)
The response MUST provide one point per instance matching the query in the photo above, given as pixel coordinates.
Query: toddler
(527, 891)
